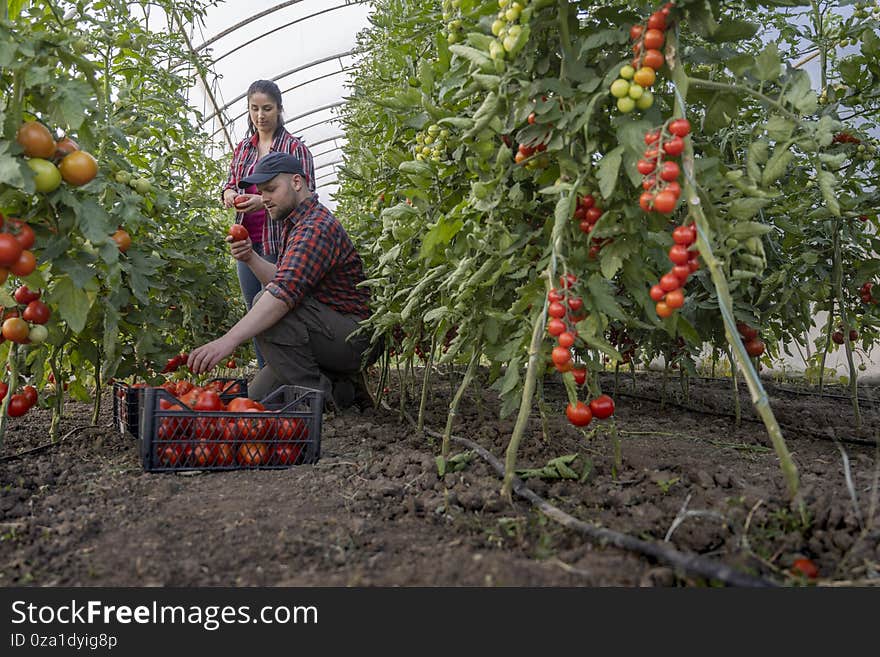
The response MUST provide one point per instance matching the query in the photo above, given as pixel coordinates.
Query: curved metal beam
(281, 27)
(327, 152)
(247, 21)
(278, 77)
(296, 86)
(329, 164)
(309, 113)
(324, 141)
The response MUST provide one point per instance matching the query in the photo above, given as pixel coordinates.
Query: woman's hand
(249, 202)
(229, 198)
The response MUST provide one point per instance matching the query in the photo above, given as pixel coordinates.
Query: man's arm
(265, 313)
(262, 268)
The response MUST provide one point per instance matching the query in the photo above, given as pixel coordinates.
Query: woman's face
(263, 111)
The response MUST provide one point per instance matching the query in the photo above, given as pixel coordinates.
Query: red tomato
(4, 388)
(653, 59)
(566, 339)
(203, 453)
(254, 428)
(208, 400)
(678, 254)
(657, 21)
(25, 235)
(575, 303)
(579, 415)
(560, 356)
(754, 347)
(580, 375)
(15, 329)
(239, 233)
(602, 407)
(36, 312)
(592, 215)
(224, 454)
(18, 405)
(746, 331)
(669, 171)
(680, 127)
(290, 428)
(170, 455)
(10, 250)
(657, 293)
(654, 39)
(556, 310)
(184, 387)
(555, 327)
(285, 453)
(664, 202)
(230, 363)
(683, 235)
(25, 264)
(587, 202)
(669, 282)
(681, 272)
(24, 295)
(674, 146)
(240, 404)
(252, 454)
(805, 567)
(663, 310)
(30, 394)
(675, 299)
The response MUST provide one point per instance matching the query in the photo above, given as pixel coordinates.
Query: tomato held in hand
(238, 232)
(602, 407)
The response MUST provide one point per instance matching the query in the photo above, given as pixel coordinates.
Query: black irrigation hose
(787, 427)
(44, 447)
(768, 385)
(692, 564)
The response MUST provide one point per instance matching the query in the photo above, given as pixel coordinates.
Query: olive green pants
(309, 347)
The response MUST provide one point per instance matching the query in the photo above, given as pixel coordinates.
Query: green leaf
(476, 57)
(777, 165)
(608, 170)
(73, 303)
(602, 298)
(827, 183)
(768, 63)
(746, 208)
(740, 64)
(94, 222)
(439, 236)
(779, 128)
(800, 93)
(11, 168)
(734, 30)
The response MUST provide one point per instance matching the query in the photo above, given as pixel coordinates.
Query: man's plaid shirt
(318, 259)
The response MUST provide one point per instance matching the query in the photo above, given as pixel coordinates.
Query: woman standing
(266, 134)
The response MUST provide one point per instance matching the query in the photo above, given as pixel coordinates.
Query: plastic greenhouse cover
(305, 46)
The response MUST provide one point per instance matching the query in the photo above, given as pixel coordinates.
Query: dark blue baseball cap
(270, 166)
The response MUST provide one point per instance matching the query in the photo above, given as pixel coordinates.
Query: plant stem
(456, 400)
(725, 302)
(96, 410)
(525, 405)
(724, 86)
(737, 407)
(420, 425)
(663, 387)
(12, 364)
(838, 289)
(829, 327)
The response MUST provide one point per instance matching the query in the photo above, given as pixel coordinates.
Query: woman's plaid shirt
(244, 158)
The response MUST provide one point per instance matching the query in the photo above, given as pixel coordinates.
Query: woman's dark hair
(270, 89)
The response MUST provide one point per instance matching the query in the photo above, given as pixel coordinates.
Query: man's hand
(207, 356)
(242, 250)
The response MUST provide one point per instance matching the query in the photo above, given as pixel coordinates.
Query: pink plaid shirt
(245, 157)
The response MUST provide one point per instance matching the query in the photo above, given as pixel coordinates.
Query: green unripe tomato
(626, 104)
(47, 177)
(619, 88)
(645, 101)
(497, 26)
(627, 72)
(509, 43)
(636, 91)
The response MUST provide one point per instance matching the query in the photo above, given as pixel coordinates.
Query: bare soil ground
(373, 511)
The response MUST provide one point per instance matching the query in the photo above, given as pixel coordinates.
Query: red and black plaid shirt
(244, 159)
(319, 260)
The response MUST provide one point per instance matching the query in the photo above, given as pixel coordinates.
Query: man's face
(280, 195)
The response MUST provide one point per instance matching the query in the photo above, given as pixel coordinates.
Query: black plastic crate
(126, 402)
(287, 433)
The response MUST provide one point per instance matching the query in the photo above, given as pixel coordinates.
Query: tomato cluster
(524, 152)
(866, 294)
(632, 88)
(581, 414)
(16, 240)
(660, 182)
(751, 340)
(76, 167)
(21, 402)
(431, 143)
(587, 214)
(175, 362)
(838, 337)
(845, 138)
(263, 438)
(669, 292)
(23, 323)
(508, 28)
(565, 310)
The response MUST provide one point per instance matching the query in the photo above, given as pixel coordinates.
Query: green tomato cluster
(507, 27)
(629, 94)
(454, 26)
(431, 143)
(865, 10)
